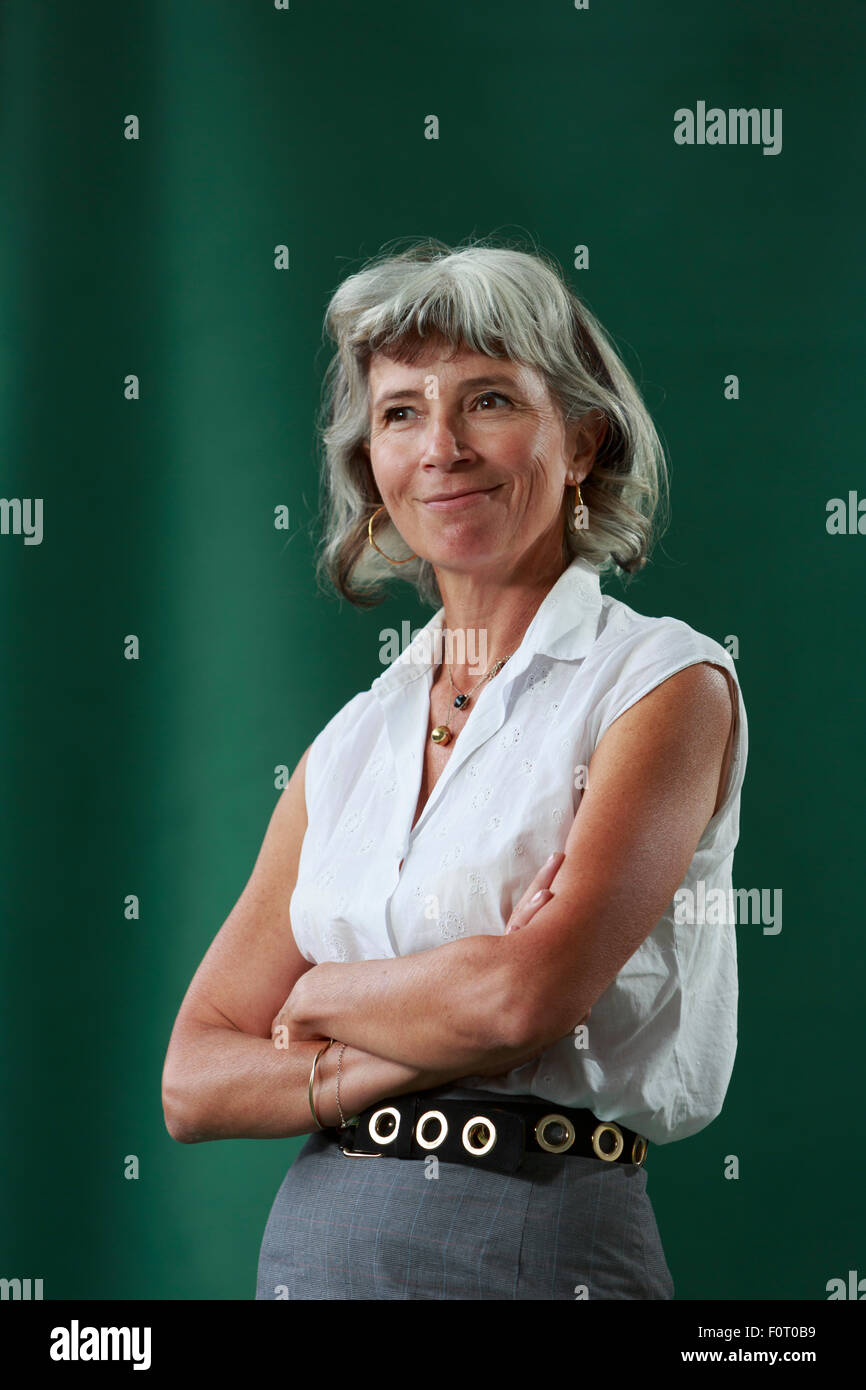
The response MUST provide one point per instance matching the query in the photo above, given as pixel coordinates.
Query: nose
(442, 443)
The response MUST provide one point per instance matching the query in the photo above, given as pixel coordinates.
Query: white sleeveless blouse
(663, 1035)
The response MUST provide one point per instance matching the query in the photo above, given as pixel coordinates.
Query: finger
(543, 879)
(520, 917)
(529, 904)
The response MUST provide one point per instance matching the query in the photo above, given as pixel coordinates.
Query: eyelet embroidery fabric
(663, 1035)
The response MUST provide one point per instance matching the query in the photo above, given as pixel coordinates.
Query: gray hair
(503, 303)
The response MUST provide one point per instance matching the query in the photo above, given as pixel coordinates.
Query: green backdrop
(154, 257)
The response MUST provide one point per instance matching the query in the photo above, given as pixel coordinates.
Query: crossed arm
(481, 1003)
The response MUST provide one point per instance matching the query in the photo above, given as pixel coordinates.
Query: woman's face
(488, 427)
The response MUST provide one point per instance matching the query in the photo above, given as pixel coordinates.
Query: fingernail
(553, 856)
(539, 894)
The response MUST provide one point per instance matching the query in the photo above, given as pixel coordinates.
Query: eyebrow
(467, 384)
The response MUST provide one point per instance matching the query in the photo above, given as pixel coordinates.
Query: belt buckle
(348, 1153)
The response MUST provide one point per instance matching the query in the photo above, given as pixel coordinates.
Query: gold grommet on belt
(431, 1115)
(615, 1152)
(373, 1125)
(640, 1146)
(474, 1132)
(554, 1146)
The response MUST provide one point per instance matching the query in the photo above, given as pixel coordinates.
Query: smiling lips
(458, 499)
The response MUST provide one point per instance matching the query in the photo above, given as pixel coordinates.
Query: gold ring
(472, 1130)
(443, 1129)
(639, 1142)
(373, 1125)
(604, 1128)
(563, 1144)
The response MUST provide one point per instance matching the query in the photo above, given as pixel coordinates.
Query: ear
(594, 426)
(585, 438)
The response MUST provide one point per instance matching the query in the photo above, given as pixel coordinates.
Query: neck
(487, 614)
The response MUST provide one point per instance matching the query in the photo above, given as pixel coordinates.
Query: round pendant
(441, 734)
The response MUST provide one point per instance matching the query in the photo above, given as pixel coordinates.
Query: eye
(389, 414)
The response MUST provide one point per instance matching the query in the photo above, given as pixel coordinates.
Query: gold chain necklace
(442, 733)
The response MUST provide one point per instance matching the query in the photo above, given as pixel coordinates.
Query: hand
(540, 887)
(287, 1018)
(526, 908)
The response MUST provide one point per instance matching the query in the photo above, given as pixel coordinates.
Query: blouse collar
(564, 626)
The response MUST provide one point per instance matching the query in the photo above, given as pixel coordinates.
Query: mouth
(460, 499)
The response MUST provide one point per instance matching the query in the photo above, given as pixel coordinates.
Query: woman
(464, 962)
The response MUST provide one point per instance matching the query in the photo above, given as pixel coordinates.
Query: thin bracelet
(353, 1119)
(319, 1125)
(339, 1106)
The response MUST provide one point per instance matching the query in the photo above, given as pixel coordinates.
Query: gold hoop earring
(577, 486)
(413, 556)
(575, 530)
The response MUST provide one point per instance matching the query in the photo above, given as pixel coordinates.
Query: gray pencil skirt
(368, 1228)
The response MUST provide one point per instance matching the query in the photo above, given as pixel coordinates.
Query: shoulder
(630, 634)
(353, 713)
(630, 642)
(336, 755)
(634, 654)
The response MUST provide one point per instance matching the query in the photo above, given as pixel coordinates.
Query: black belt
(493, 1136)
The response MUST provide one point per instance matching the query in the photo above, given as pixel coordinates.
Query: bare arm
(251, 1090)
(223, 1076)
(449, 992)
(654, 779)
